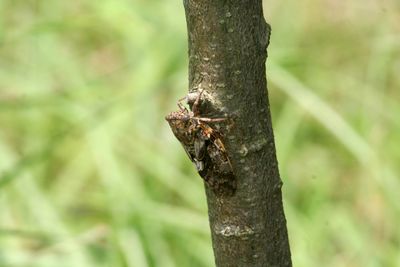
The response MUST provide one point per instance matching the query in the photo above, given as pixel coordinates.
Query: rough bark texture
(227, 53)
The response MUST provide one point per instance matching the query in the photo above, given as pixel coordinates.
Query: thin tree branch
(227, 53)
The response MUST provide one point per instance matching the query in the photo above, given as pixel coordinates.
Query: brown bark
(227, 53)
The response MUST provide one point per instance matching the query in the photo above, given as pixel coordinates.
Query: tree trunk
(227, 53)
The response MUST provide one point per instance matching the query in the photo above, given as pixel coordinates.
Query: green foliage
(90, 174)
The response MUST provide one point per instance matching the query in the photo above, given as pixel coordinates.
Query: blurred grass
(90, 174)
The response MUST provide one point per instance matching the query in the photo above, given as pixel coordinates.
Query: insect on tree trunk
(228, 134)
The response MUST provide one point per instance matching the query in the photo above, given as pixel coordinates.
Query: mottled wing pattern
(205, 148)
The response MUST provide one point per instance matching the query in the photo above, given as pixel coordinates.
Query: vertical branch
(227, 53)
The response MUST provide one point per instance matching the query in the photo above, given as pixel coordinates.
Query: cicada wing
(200, 148)
(188, 152)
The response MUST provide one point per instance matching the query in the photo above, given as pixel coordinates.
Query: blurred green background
(90, 174)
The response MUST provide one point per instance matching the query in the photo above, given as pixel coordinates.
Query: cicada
(204, 145)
